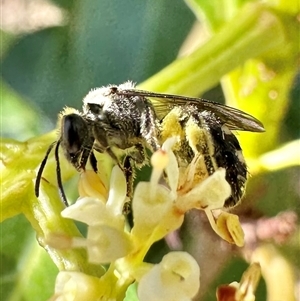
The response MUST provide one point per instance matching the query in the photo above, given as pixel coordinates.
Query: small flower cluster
(158, 208)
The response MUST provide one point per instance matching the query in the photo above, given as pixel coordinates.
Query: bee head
(74, 134)
(76, 139)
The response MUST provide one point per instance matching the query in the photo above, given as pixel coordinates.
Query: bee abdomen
(207, 135)
(225, 152)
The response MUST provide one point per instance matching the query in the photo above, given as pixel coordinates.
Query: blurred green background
(103, 42)
(53, 53)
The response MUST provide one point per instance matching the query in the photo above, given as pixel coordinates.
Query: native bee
(123, 122)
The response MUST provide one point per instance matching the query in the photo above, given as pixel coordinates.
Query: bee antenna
(41, 169)
(58, 175)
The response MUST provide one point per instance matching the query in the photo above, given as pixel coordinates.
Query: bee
(124, 122)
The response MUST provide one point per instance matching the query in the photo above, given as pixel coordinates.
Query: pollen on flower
(171, 128)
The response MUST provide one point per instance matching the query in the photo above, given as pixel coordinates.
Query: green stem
(251, 33)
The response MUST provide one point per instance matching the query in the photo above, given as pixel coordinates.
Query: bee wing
(233, 118)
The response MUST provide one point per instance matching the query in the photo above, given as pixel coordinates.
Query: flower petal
(87, 210)
(150, 204)
(209, 194)
(175, 278)
(181, 269)
(106, 244)
(117, 191)
(93, 212)
(90, 185)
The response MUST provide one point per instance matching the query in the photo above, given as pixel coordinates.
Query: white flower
(106, 239)
(153, 203)
(177, 277)
(193, 187)
(159, 209)
(150, 206)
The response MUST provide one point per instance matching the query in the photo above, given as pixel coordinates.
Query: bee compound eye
(94, 108)
(74, 131)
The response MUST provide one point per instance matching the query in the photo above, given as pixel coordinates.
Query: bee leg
(128, 171)
(93, 162)
(86, 153)
(136, 158)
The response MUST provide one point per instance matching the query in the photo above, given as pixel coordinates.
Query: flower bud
(76, 286)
